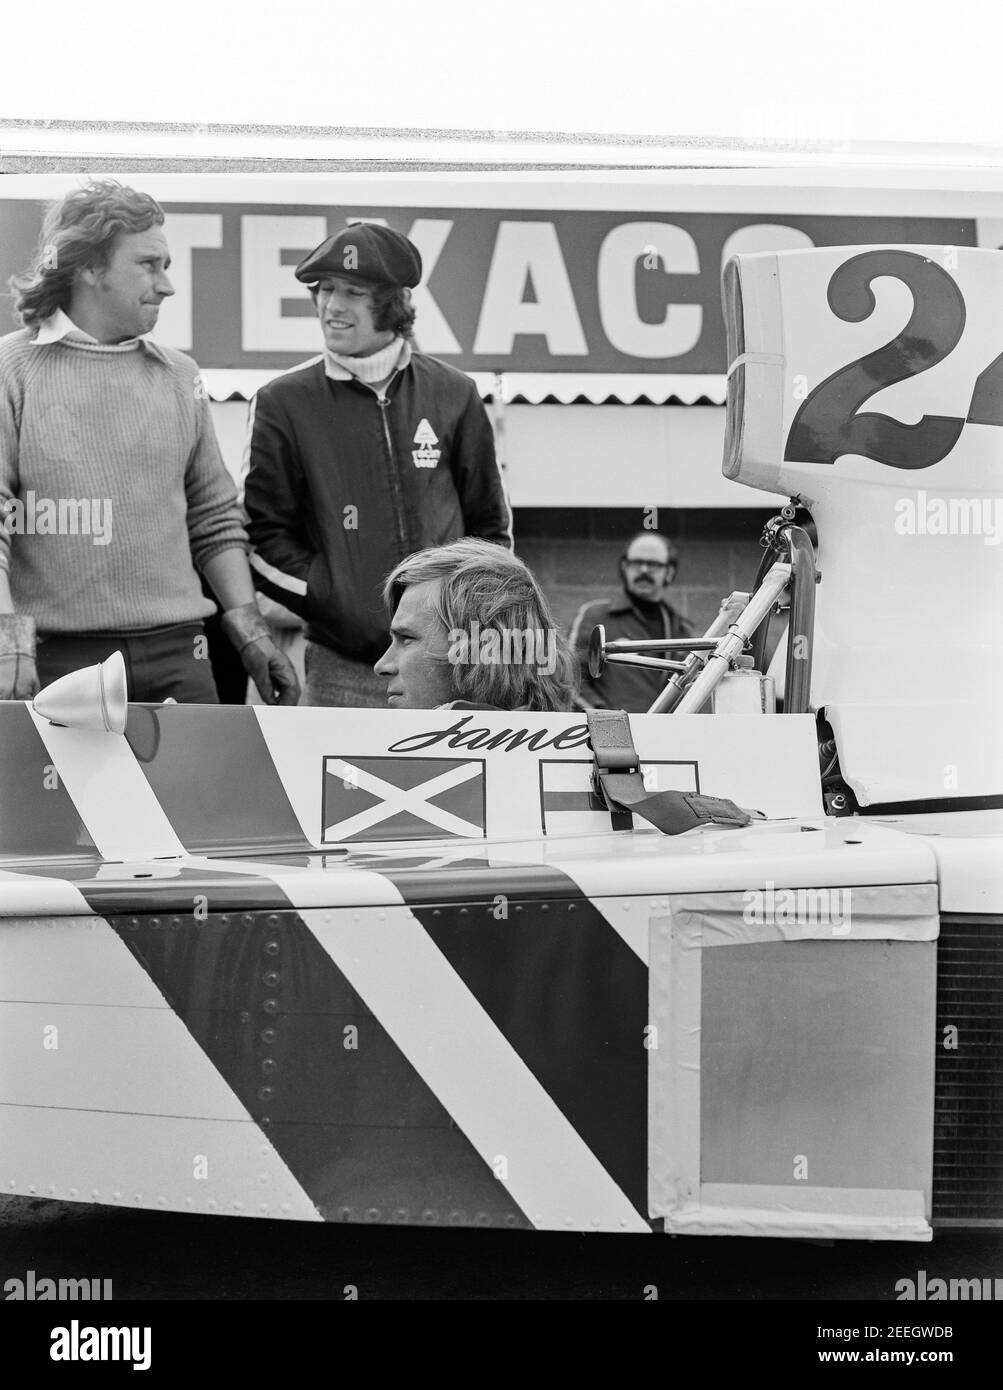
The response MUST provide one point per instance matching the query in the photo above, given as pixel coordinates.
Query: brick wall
(574, 553)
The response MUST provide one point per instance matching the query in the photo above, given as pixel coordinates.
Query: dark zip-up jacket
(632, 688)
(343, 486)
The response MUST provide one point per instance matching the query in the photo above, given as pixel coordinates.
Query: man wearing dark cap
(647, 568)
(361, 457)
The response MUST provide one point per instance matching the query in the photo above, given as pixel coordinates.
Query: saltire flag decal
(403, 799)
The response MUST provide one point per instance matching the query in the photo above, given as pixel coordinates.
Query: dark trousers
(167, 662)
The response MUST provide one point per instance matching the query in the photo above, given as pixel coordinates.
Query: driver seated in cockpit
(471, 629)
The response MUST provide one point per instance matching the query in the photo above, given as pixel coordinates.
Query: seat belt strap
(619, 786)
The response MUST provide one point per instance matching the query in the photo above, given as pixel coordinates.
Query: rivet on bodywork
(269, 1066)
(248, 919)
(271, 948)
(271, 978)
(268, 1035)
(154, 922)
(373, 1214)
(265, 1093)
(271, 1006)
(429, 1215)
(273, 919)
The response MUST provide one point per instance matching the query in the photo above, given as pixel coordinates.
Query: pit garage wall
(580, 478)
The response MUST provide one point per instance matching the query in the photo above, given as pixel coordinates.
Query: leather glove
(18, 676)
(270, 671)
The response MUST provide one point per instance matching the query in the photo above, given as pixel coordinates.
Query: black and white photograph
(501, 767)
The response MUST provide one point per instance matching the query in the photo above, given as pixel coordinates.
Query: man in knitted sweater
(113, 493)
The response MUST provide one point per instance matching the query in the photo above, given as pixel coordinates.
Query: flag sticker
(403, 799)
(568, 806)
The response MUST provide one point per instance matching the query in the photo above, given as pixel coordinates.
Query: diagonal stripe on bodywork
(563, 987)
(539, 1155)
(41, 819)
(358, 1125)
(104, 1094)
(122, 815)
(217, 792)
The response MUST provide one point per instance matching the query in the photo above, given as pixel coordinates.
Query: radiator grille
(968, 1114)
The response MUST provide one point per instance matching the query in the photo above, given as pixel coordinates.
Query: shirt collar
(59, 326)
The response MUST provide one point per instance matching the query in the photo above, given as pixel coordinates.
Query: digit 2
(827, 424)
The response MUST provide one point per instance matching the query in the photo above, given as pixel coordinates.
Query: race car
(735, 972)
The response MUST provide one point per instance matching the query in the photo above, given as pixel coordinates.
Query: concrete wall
(574, 554)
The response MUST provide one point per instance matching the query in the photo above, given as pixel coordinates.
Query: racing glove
(270, 671)
(18, 676)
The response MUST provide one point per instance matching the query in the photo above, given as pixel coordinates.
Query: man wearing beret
(361, 457)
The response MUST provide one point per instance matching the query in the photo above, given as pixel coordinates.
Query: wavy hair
(79, 233)
(505, 647)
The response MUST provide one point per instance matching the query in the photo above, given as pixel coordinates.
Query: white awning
(532, 388)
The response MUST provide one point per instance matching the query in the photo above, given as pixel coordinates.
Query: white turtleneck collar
(376, 367)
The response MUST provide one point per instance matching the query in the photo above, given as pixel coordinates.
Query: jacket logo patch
(426, 455)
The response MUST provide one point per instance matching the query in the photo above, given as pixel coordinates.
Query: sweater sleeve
(214, 519)
(478, 478)
(276, 502)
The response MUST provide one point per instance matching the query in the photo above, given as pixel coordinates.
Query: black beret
(364, 251)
